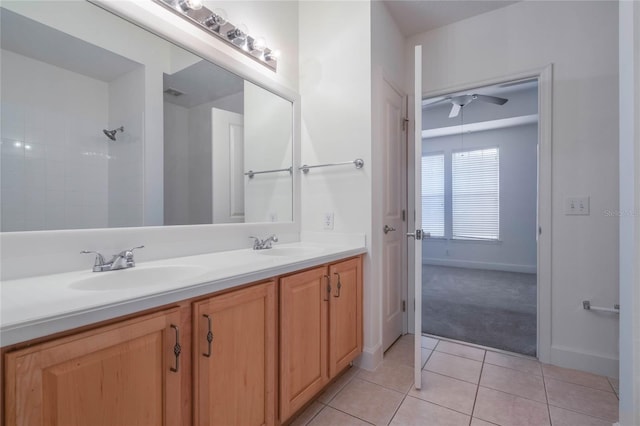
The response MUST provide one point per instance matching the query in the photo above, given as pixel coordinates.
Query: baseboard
(507, 267)
(370, 358)
(593, 363)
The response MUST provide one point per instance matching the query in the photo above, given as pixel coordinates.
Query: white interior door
(417, 234)
(393, 200)
(227, 138)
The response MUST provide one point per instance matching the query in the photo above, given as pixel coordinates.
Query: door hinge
(405, 124)
(404, 306)
(404, 215)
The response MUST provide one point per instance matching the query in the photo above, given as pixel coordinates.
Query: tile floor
(464, 385)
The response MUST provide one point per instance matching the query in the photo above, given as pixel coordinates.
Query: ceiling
(200, 83)
(419, 16)
(37, 41)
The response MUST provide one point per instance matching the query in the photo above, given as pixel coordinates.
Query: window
(433, 194)
(475, 194)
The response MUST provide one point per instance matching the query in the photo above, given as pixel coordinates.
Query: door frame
(544, 204)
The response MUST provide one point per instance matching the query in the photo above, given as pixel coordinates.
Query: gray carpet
(490, 308)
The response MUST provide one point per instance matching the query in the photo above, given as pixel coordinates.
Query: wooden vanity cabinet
(235, 357)
(320, 329)
(125, 373)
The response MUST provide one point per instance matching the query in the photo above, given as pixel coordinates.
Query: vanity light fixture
(215, 22)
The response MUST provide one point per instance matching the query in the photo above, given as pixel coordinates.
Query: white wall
(126, 153)
(335, 88)
(516, 250)
(57, 177)
(580, 40)
(629, 213)
(267, 146)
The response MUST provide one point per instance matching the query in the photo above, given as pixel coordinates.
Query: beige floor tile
(454, 366)
(367, 401)
(389, 374)
(514, 382)
(429, 342)
(308, 414)
(562, 417)
(461, 350)
(514, 362)
(446, 391)
(333, 389)
(333, 417)
(426, 353)
(506, 409)
(478, 422)
(576, 377)
(409, 338)
(401, 352)
(414, 412)
(592, 402)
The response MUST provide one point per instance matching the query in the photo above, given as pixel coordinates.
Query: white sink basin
(139, 276)
(290, 251)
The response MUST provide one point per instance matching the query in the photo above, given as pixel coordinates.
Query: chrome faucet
(259, 244)
(122, 260)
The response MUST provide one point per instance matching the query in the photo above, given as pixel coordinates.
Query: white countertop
(40, 306)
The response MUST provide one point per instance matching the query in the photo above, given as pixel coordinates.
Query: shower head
(111, 134)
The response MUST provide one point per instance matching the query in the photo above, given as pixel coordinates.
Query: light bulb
(259, 44)
(273, 55)
(186, 5)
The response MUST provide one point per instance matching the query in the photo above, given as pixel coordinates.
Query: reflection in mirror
(122, 128)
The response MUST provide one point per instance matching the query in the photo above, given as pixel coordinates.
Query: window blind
(433, 194)
(476, 194)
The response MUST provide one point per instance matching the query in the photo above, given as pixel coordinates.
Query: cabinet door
(345, 314)
(303, 338)
(115, 375)
(235, 358)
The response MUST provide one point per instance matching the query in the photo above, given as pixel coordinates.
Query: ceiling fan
(457, 102)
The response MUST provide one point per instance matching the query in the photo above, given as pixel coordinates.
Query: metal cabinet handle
(388, 229)
(328, 287)
(339, 285)
(176, 349)
(209, 337)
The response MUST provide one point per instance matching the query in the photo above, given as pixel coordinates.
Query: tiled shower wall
(55, 159)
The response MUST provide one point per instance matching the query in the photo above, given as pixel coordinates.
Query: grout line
(515, 369)
(475, 399)
(546, 395)
(573, 410)
(441, 406)
(486, 348)
(351, 415)
(513, 394)
(578, 384)
(398, 407)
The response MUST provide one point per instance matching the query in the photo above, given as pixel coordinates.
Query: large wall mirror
(105, 124)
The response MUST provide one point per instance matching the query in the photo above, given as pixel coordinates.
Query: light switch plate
(576, 206)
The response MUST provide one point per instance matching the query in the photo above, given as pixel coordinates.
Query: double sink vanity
(239, 337)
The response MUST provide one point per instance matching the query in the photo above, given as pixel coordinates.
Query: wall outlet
(327, 221)
(576, 206)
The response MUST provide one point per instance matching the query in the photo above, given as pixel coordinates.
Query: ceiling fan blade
(429, 102)
(455, 110)
(491, 99)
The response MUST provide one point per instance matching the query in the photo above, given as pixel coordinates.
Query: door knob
(388, 229)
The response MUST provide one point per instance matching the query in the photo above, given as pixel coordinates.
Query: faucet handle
(257, 243)
(129, 252)
(99, 262)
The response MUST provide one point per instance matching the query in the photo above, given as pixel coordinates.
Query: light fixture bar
(232, 35)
